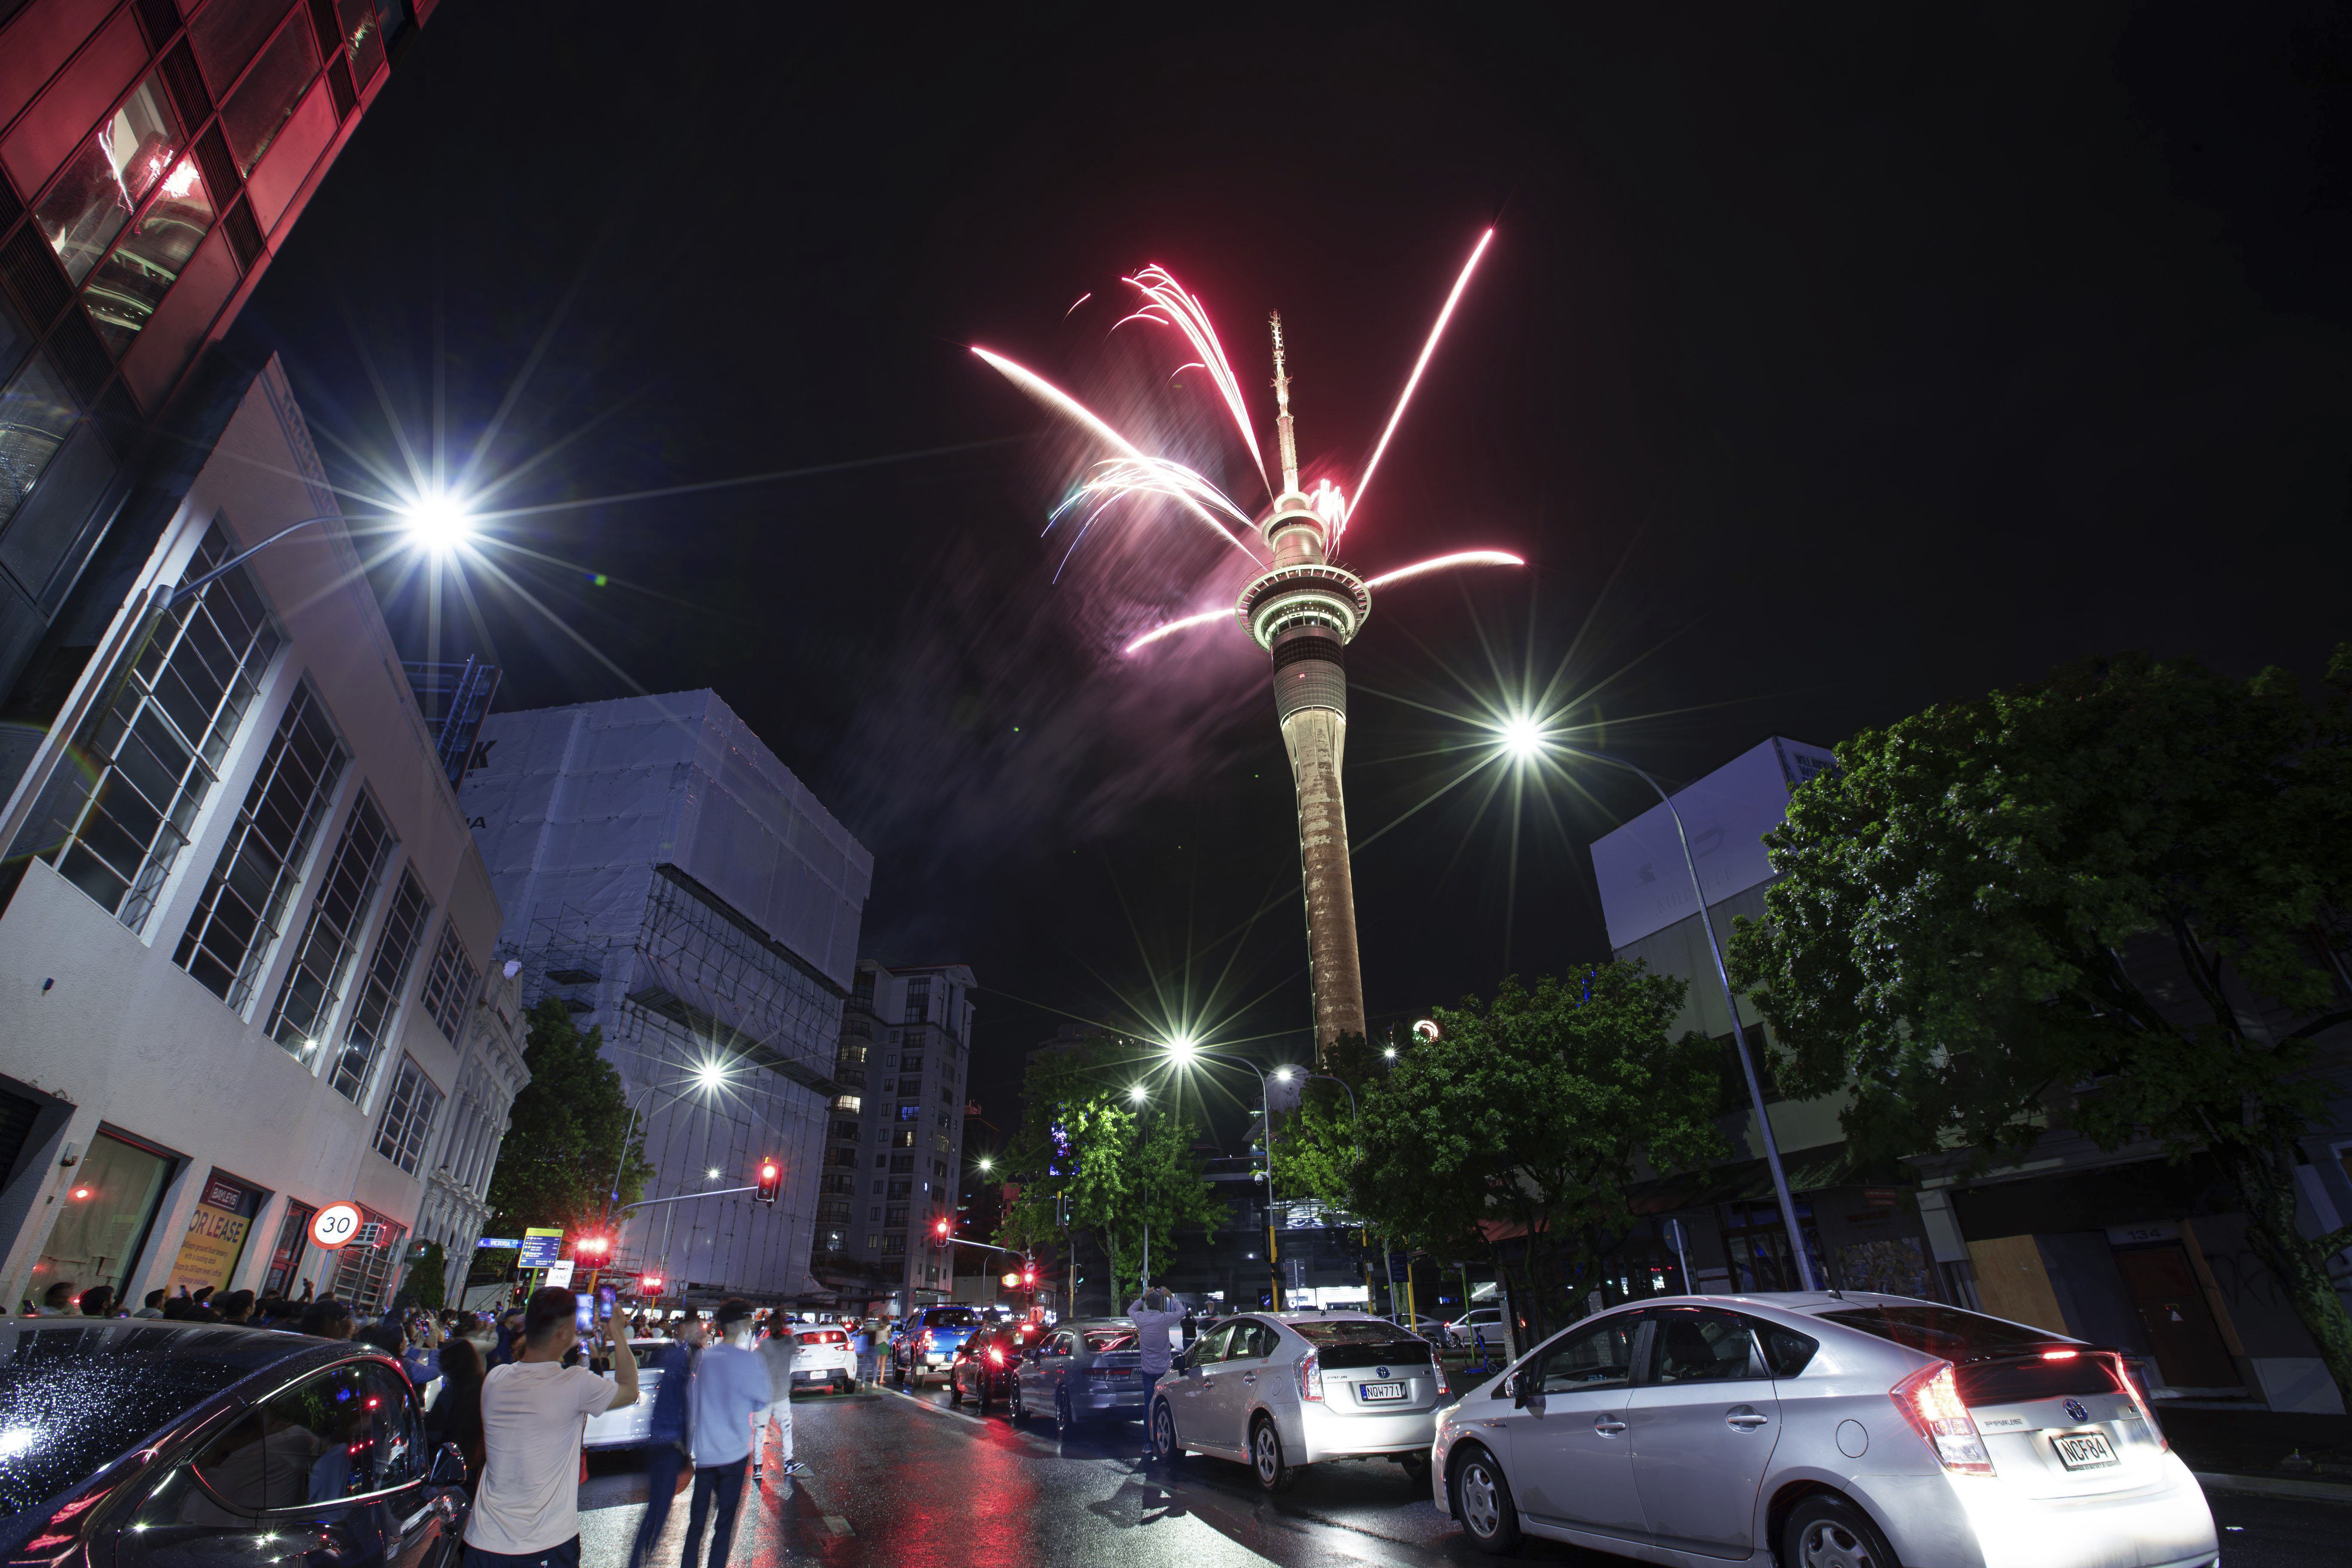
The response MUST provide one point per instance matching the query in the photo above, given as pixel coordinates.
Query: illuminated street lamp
(1185, 1052)
(436, 525)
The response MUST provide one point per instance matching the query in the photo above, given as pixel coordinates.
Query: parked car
(1079, 1369)
(631, 1426)
(926, 1347)
(1280, 1391)
(1855, 1428)
(1463, 1332)
(984, 1366)
(140, 1443)
(821, 1354)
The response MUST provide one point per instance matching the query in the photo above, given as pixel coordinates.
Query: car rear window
(1110, 1340)
(1361, 1343)
(1947, 1332)
(951, 1318)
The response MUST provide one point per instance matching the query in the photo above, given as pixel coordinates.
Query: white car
(825, 1356)
(1462, 1332)
(1854, 1429)
(631, 1426)
(1280, 1391)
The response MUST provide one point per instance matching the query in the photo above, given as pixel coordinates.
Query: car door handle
(1249, 1377)
(1746, 1419)
(1607, 1426)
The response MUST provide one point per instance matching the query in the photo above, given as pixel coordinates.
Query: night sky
(1827, 363)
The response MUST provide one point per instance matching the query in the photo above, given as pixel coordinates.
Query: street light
(438, 523)
(1185, 1052)
(1805, 1275)
(438, 527)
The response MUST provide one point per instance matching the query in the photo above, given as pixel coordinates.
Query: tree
(568, 1127)
(1085, 1149)
(2098, 900)
(427, 1279)
(1515, 1134)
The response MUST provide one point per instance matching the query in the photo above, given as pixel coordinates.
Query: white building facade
(245, 928)
(680, 890)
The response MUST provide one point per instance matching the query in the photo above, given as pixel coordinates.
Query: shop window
(408, 1112)
(108, 1207)
(243, 907)
(322, 959)
(451, 984)
(293, 1243)
(386, 978)
(157, 751)
(121, 297)
(35, 417)
(106, 179)
(265, 100)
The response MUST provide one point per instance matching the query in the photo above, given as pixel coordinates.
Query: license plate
(2084, 1450)
(1369, 1392)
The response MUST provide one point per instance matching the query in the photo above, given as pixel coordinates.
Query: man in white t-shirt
(534, 1413)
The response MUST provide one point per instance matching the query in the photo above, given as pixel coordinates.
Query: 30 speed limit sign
(334, 1225)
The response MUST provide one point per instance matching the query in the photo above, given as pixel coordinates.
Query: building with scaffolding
(677, 886)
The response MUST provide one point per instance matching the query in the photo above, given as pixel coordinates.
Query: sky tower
(1304, 611)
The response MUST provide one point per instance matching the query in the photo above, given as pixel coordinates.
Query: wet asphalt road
(902, 1481)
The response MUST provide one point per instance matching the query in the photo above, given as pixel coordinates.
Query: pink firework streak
(1185, 313)
(1421, 364)
(1439, 562)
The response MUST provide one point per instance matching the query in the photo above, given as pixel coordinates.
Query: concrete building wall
(117, 1040)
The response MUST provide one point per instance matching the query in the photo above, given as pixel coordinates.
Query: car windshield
(1944, 1331)
(73, 1398)
(951, 1318)
(1345, 1332)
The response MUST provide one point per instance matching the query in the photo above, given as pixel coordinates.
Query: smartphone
(583, 1316)
(605, 1295)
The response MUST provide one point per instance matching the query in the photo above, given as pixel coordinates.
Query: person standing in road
(730, 1385)
(1155, 1315)
(666, 1433)
(534, 1413)
(777, 1351)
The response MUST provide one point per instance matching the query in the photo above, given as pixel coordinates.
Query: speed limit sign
(335, 1224)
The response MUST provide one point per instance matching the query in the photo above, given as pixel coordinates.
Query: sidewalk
(2278, 1452)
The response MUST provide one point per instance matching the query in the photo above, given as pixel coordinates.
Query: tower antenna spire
(1281, 415)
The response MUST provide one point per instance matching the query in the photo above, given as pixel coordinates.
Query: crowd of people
(514, 1390)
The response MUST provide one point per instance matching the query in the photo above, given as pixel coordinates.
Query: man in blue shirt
(730, 1385)
(668, 1432)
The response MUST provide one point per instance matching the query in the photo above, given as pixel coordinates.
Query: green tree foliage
(568, 1125)
(2100, 900)
(427, 1279)
(1514, 1135)
(1115, 1167)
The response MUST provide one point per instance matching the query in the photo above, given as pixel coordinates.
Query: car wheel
(955, 1388)
(1416, 1470)
(1827, 1531)
(1483, 1498)
(1275, 1472)
(1066, 1420)
(1164, 1445)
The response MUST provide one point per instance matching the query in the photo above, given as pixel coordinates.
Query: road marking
(838, 1525)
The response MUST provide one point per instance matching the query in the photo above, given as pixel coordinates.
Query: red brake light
(2060, 1356)
(995, 1356)
(1930, 1400)
(1310, 1377)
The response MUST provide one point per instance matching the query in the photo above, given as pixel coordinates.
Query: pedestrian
(510, 1344)
(325, 1318)
(778, 1351)
(666, 1433)
(237, 1307)
(305, 1293)
(1154, 1313)
(98, 1301)
(730, 1385)
(457, 1416)
(861, 1344)
(154, 1307)
(56, 1301)
(535, 1410)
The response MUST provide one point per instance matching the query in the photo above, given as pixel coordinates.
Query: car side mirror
(450, 1466)
(1181, 1361)
(1516, 1386)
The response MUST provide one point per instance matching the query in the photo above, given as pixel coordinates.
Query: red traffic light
(593, 1246)
(770, 1177)
(1029, 1277)
(650, 1285)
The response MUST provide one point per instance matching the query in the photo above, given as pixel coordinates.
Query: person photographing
(535, 1410)
(1156, 1316)
(730, 1386)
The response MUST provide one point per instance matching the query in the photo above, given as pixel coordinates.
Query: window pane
(1598, 1357)
(226, 33)
(314, 985)
(450, 987)
(35, 417)
(103, 183)
(263, 101)
(132, 282)
(1693, 1346)
(387, 976)
(362, 38)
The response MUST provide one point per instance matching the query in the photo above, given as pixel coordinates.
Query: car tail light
(1311, 1376)
(995, 1356)
(1437, 1369)
(923, 1341)
(1930, 1400)
(1105, 1373)
(2122, 1377)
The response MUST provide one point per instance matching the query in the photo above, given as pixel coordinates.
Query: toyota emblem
(2074, 1409)
(1379, 1371)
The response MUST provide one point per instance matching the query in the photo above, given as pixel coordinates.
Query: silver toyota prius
(1850, 1431)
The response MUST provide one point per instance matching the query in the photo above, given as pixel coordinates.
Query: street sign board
(560, 1271)
(499, 1241)
(334, 1225)
(541, 1246)
(1398, 1268)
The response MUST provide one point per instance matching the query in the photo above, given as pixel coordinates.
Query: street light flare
(1523, 735)
(437, 521)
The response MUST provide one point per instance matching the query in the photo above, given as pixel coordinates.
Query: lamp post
(1723, 977)
(1186, 1052)
(708, 1077)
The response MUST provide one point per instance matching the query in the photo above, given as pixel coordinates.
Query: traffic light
(650, 1285)
(943, 1228)
(591, 1246)
(771, 1175)
(1029, 1277)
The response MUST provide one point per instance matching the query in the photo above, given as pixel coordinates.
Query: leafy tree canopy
(2106, 899)
(556, 1166)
